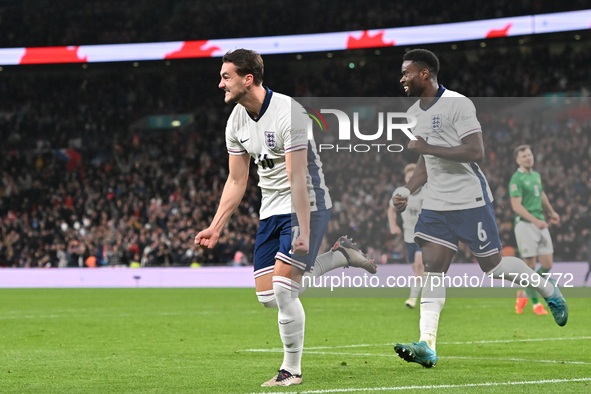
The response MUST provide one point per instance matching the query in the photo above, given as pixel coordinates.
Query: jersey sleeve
(294, 128)
(233, 146)
(515, 187)
(465, 120)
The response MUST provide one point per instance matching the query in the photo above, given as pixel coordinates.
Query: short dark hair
(427, 59)
(520, 149)
(246, 62)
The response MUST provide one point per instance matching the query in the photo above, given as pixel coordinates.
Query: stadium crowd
(91, 22)
(82, 184)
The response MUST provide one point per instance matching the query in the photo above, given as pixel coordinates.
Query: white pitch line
(441, 358)
(516, 359)
(429, 387)
(439, 343)
(454, 357)
(514, 340)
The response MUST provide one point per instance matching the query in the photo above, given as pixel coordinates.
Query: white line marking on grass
(439, 343)
(454, 357)
(516, 359)
(441, 386)
(513, 340)
(441, 358)
(351, 354)
(351, 346)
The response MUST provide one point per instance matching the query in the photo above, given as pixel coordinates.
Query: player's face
(231, 83)
(525, 159)
(411, 79)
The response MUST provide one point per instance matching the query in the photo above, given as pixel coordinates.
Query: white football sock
(511, 268)
(267, 298)
(324, 263)
(328, 261)
(415, 287)
(432, 301)
(292, 321)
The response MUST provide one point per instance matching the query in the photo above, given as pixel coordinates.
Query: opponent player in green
(529, 202)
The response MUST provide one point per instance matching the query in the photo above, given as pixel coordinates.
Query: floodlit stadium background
(114, 154)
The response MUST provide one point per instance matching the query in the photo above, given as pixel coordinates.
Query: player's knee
(267, 299)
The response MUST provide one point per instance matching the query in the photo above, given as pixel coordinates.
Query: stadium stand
(80, 178)
(91, 22)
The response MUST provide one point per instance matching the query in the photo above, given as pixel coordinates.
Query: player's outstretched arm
(297, 168)
(470, 151)
(231, 196)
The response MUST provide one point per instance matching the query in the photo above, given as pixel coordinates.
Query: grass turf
(221, 341)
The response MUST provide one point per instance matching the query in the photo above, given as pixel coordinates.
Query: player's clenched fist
(207, 238)
(301, 246)
(419, 145)
(400, 203)
(400, 199)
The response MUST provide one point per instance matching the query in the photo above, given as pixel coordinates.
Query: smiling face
(413, 78)
(233, 84)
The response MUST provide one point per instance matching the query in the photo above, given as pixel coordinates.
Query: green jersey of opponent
(528, 186)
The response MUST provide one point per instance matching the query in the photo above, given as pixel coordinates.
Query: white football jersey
(451, 185)
(267, 139)
(410, 216)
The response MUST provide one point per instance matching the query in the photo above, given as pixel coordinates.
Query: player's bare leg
(546, 261)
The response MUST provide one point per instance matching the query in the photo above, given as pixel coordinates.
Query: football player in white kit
(458, 201)
(409, 217)
(273, 129)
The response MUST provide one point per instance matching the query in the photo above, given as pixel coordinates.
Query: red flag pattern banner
(406, 36)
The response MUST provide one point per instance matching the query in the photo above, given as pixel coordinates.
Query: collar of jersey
(437, 96)
(265, 105)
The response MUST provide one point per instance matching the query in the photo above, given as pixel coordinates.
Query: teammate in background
(409, 220)
(529, 202)
(264, 127)
(458, 201)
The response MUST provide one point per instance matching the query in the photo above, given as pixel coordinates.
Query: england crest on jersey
(436, 122)
(270, 139)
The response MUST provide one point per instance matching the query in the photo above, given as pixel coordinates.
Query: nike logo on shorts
(484, 246)
(242, 142)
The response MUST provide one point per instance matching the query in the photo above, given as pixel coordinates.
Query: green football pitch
(140, 340)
